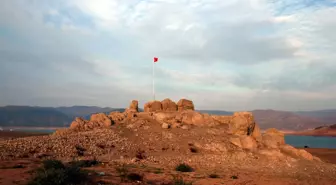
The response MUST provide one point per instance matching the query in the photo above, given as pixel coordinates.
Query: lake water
(311, 141)
(34, 130)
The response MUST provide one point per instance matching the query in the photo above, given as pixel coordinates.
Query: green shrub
(184, 168)
(55, 172)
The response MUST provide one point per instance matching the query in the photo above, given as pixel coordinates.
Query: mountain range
(15, 116)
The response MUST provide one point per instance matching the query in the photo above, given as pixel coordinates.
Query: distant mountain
(81, 111)
(328, 116)
(319, 131)
(216, 112)
(284, 120)
(14, 116)
(62, 116)
(32, 116)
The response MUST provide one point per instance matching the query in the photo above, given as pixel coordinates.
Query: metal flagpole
(153, 80)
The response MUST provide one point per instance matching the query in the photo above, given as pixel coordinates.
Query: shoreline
(35, 128)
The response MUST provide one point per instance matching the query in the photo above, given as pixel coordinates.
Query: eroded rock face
(117, 117)
(194, 118)
(165, 116)
(101, 119)
(222, 119)
(168, 105)
(153, 106)
(134, 105)
(242, 123)
(248, 142)
(184, 104)
(297, 153)
(78, 124)
(256, 134)
(273, 138)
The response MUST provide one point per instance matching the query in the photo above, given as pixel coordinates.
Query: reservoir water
(311, 141)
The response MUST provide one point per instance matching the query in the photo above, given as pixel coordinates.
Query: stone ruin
(243, 130)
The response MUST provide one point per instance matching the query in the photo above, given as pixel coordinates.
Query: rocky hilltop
(168, 133)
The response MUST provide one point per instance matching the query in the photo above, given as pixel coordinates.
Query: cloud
(233, 55)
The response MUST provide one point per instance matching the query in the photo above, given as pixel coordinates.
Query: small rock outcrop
(101, 119)
(273, 138)
(242, 123)
(168, 105)
(153, 106)
(134, 105)
(184, 104)
(78, 124)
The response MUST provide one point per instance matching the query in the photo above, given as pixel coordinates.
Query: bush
(55, 172)
(193, 149)
(53, 164)
(84, 163)
(134, 177)
(213, 176)
(184, 168)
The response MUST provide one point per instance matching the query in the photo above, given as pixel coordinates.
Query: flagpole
(153, 80)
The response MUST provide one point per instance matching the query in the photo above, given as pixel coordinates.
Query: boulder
(236, 141)
(273, 138)
(272, 154)
(256, 134)
(153, 106)
(164, 116)
(100, 119)
(300, 153)
(194, 118)
(134, 105)
(184, 104)
(78, 124)
(248, 142)
(222, 119)
(165, 125)
(241, 123)
(168, 105)
(117, 117)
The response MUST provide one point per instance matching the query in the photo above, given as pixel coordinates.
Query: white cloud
(233, 54)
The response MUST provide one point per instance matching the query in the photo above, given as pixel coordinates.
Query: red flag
(156, 59)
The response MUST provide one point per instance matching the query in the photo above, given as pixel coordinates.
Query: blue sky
(228, 55)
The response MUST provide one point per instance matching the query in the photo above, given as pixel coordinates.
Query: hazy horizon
(141, 106)
(224, 55)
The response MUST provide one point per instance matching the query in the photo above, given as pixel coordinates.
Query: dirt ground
(19, 171)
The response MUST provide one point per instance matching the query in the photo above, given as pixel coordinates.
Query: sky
(227, 55)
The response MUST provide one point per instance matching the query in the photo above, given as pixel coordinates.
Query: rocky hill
(167, 134)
